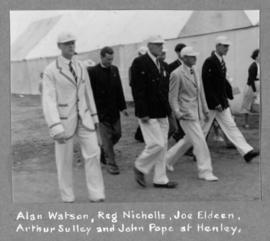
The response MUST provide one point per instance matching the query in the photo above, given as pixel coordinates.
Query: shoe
(113, 169)
(170, 168)
(208, 176)
(170, 184)
(97, 201)
(250, 155)
(139, 177)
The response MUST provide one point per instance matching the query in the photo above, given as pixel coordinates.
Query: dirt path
(34, 171)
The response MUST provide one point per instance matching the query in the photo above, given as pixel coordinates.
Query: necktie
(72, 71)
(158, 65)
(194, 78)
(223, 65)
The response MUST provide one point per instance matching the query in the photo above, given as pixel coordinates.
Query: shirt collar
(152, 57)
(103, 66)
(66, 61)
(186, 68)
(220, 58)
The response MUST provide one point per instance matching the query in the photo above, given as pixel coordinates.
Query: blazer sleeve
(89, 96)
(139, 88)
(49, 104)
(174, 88)
(207, 79)
(205, 109)
(252, 76)
(229, 90)
(120, 93)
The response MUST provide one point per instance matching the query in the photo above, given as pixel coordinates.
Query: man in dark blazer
(138, 134)
(175, 64)
(150, 83)
(110, 101)
(217, 92)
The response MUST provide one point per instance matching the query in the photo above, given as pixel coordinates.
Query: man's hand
(125, 113)
(206, 118)
(219, 108)
(145, 119)
(60, 138)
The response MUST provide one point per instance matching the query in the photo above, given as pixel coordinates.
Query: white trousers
(228, 126)
(91, 155)
(194, 137)
(155, 134)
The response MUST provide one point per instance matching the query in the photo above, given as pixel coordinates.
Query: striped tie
(223, 67)
(158, 65)
(72, 71)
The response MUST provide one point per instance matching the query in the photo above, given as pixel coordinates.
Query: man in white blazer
(187, 100)
(70, 110)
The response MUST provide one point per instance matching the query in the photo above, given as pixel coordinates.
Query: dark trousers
(110, 135)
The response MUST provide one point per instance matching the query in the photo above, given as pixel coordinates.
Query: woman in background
(252, 92)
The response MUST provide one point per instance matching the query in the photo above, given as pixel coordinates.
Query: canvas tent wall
(36, 46)
(125, 41)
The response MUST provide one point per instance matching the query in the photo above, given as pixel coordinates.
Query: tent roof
(31, 37)
(203, 22)
(95, 29)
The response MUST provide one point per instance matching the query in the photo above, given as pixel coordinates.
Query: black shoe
(97, 201)
(170, 184)
(113, 169)
(139, 177)
(250, 155)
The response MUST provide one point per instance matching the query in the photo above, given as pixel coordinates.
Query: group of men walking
(87, 102)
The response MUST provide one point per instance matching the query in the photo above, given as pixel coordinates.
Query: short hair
(179, 47)
(255, 54)
(106, 50)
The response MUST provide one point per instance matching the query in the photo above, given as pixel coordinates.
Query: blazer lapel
(218, 63)
(64, 72)
(189, 77)
(80, 76)
(152, 65)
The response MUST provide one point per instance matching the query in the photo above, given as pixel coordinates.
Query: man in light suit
(150, 82)
(217, 92)
(70, 110)
(188, 102)
(175, 130)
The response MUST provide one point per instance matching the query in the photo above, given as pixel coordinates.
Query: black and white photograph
(134, 106)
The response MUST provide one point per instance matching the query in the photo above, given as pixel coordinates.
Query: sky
(19, 20)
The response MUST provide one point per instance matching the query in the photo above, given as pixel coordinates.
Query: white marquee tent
(126, 31)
